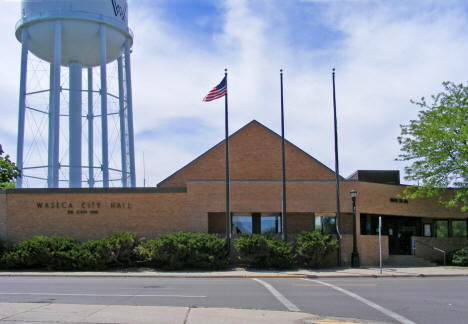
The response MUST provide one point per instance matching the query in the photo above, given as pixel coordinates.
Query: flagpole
(226, 122)
(284, 233)
(337, 174)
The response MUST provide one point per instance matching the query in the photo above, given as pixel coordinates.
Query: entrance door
(400, 230)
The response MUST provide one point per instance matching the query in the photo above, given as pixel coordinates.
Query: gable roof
(253, 123)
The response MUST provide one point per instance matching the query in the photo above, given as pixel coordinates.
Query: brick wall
(298, 222)
(146, 214)
(424, 246)
(217, 223)
(368, 248)
(254, 153)
(3, 217)
(346, 223)
(374, 198)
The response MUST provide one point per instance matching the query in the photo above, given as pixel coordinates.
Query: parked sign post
(380, 242)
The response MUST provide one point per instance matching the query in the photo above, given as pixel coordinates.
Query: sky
(386, 53)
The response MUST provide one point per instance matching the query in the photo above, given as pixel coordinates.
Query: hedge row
(170, 251)
(185, 250)
(309, 250)
(63, 253)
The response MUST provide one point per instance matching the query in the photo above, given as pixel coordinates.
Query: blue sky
(385, 53)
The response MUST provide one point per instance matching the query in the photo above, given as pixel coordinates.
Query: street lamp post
(355, 254)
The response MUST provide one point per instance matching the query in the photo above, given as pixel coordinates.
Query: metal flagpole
(284, 233)
(228, 211)
(337, 174)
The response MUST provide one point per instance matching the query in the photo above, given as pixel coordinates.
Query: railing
(434, 248)
(442, 251)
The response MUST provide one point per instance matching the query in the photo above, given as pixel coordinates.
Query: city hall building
(193, 199)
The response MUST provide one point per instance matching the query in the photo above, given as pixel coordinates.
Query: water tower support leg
(123, 146)
(90, 129)
(105, 151)
(131, 140)
(56, 107)
(22, 104)
(75, 124)
(50, 160)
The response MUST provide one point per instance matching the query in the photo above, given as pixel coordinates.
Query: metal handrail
(442, 251)
(434, 248)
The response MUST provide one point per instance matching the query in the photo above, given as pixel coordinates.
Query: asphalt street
(394, 300)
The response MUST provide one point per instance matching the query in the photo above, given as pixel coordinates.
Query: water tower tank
(76, 36)
(80, 22)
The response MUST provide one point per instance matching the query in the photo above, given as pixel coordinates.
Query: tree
(437, 145)
(8, 171)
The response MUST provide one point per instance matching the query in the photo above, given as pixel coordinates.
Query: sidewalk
(74, 313)
(78, 313)
(250, 273)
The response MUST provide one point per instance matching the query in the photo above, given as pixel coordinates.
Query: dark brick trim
(97, 190)
(262, 180)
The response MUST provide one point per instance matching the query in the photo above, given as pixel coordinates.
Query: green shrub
(262, 252)
(119, 249)
(116, 250)
(460, 257)
(312, 247)
(185, 250)
(2, 248)
(41, 252)
(62, 253)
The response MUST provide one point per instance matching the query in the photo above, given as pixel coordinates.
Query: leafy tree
(8, 171)
(436, 143)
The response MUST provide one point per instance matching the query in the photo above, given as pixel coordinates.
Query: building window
(325, 224)
(270, 223)
(242, 224)
(441, 228)
(459, 228)
(256, 223)
(427, 230)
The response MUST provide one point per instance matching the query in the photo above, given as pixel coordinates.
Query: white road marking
(98, 295)
(283, 300)
(381, 309)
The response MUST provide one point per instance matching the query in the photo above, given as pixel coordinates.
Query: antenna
(144, 170)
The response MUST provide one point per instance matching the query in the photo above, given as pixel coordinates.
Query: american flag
(217, 92)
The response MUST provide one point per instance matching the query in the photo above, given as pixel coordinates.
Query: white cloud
(386, 55)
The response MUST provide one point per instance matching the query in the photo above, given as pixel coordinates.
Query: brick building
(193, 199)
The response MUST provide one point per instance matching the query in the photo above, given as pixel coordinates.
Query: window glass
(242, 224)
(270, 223)
(441, 228)
(459, 228)
(325, 224)
(427, 230)
(318, 224)
(328, 225)
(248, 223)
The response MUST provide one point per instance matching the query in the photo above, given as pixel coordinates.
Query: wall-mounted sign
(83, 207)
(399, 200)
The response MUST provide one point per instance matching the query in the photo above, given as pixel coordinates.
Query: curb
(224, 276)
(123, 275)
(420, 275)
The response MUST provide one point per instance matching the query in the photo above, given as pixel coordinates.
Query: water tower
(71, 37)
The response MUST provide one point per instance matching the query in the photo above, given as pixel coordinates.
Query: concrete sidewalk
(249, 273)
(75, 313)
